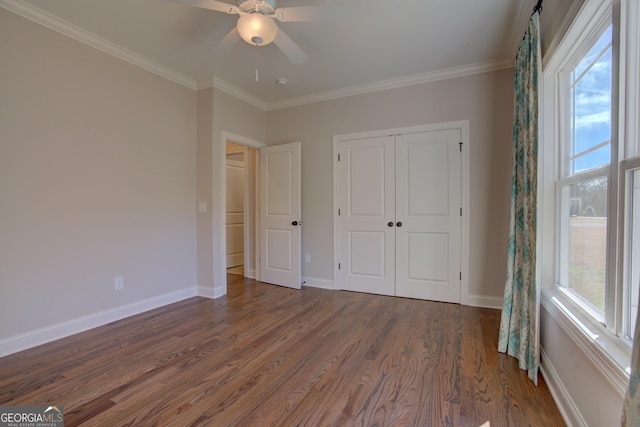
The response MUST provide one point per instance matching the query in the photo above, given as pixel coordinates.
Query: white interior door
(280, 220)
(428, 221)
(235, 212)
(367, 207)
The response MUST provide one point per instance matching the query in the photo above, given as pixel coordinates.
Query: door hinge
(461, 275)
(338, 156)
(460, 146)
(338, 211)
(338, 266)
(460, 211)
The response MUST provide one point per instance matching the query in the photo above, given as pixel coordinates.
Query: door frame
(219, 209)
(463, 126)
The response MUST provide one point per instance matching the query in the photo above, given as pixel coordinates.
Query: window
(589, 181)
(585, 150)
(589, 84)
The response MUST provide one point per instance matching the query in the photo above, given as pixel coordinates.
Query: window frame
(624, 267)
(603, 342)
(601, 17)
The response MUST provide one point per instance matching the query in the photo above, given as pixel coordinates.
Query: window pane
(591, 108)
(587, 241)
(593, 159)
(596, 49)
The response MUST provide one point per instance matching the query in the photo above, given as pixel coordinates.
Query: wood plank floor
(271, 356)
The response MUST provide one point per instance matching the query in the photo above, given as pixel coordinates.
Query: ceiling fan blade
(227, 42)
(218, 6)
(310, 13)
(286, 45)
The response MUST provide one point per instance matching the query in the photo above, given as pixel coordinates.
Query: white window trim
(624, 242)
(609, 353)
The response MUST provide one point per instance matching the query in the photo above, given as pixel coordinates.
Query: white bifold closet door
(400, 223)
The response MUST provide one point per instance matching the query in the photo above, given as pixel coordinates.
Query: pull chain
(256, 57)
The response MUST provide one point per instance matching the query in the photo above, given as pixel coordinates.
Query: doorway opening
(240, 207)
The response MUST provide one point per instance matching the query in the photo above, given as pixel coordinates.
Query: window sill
(609, 354)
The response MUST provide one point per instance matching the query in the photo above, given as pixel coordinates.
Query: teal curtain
(519, 323)
(631, 408)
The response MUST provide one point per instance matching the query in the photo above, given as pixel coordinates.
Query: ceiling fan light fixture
(257, 29)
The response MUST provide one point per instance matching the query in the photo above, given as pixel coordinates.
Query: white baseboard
(251, 274)
(60, 330)
(563, 400)
(219, 292)
(205, 292)
(471, 300)
(314, 282)
(483, 301)
(211, 293)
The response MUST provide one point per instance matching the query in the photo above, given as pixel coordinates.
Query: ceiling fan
(256, 24)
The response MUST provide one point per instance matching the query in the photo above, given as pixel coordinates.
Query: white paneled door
(280, 220)
(400, 224)
(235, 213)
(367, 215)
(428, 222)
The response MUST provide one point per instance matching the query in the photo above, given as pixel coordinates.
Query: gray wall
(203, 187)
(97, 180)
(484, 99)
(551, 21)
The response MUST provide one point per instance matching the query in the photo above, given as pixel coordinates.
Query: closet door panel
(367, 204)
(428, 190)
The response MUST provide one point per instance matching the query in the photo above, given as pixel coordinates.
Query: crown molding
(204, 84)
(234, 91)
(415, 79)
(54, 23)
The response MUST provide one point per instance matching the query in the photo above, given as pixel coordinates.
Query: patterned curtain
(631, 408)
(520, 311)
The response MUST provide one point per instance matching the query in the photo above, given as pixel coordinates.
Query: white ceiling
(382, 44)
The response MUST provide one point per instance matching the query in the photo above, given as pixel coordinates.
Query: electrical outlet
(118, 283)
(307, 258)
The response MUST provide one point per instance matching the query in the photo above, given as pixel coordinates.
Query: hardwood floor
(271, 356)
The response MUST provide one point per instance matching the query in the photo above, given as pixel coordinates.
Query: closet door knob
(390, 223)
(399, 224)
(294, 223)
